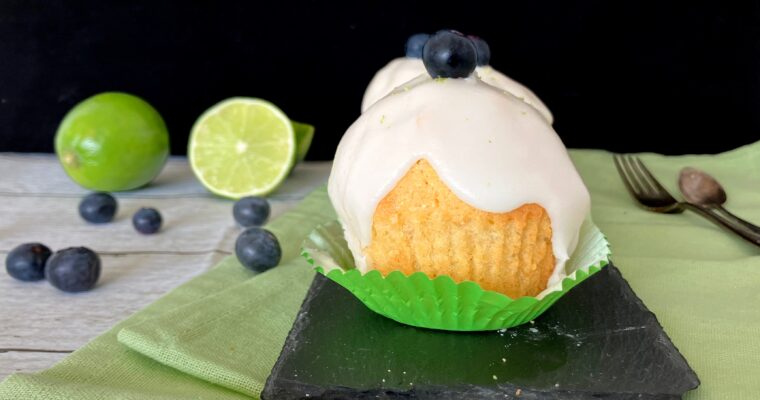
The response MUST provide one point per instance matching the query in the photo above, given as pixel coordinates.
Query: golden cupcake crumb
(421, 225)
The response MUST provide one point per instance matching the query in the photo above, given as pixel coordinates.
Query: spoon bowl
(699, 187)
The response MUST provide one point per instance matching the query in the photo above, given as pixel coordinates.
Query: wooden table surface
(40, 325)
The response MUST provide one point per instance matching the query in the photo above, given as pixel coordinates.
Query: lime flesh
(242, 147)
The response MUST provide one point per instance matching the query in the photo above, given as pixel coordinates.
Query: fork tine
(629, 184)
(634, 176)
(658, 188)
(639, 175)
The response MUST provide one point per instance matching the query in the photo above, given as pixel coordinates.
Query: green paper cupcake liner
(441, 303)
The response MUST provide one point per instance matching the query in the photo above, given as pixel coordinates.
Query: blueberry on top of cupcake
(414, 45)
(482, 49)
(449, 54)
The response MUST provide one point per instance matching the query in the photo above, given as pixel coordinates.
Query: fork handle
(732, 225)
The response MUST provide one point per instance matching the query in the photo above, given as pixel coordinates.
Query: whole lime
(112, 141)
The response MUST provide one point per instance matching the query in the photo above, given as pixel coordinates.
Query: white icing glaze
(495, 78)
(397, 72)
(494, 151)
(402, 70)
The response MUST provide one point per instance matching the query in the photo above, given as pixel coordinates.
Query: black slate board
(599, 341)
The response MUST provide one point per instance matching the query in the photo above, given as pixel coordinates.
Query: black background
(626, 76)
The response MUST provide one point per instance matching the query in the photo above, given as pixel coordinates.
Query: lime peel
(304, 135)
(112, 141)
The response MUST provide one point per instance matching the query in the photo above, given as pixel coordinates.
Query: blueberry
(98, 208)
(258, 249)
(482, 49)
(147, 220)
(27, 262)
(449, 54)
(251, 211)
(415, 43)
(75, 269)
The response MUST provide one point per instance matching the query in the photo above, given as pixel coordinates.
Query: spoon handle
(741, 221)
(720, 219)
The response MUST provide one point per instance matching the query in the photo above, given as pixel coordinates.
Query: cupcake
(449, 176)
(403, 69)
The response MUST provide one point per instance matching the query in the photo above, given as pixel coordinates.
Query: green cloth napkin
(700, 281)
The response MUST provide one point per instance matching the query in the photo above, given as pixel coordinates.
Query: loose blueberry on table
(75, 269)
(449, 54)
(251, 211)
(258, 249)
(27, 262)
(147, 220)
(98, 208)
(482, 49)
(414, 45)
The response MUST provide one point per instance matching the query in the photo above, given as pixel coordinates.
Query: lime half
(242, 147)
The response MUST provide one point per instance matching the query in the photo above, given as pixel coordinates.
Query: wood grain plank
(190, 225)
(27, 361)
(38, 316)
(41, 175)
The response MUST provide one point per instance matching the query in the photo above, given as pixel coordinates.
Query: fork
(651, 195)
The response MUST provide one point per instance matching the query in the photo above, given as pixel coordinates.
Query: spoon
(700, 188)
